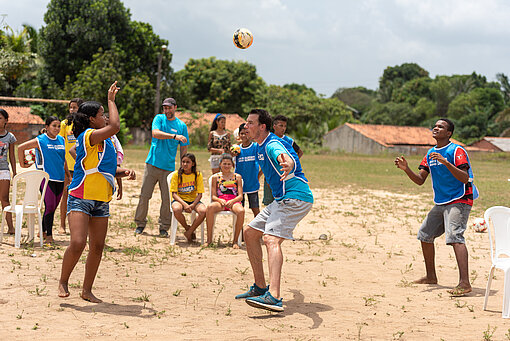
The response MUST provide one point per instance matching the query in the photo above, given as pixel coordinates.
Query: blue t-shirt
(163, 151)
(248, 167)
(52, 156)
(295, 186)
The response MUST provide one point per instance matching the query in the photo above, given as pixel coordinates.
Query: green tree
(442, 94)
(298, 87)
(505, 87)
(217, 85)
(76, 29)
(394, 77)
(359, 98)
(310, 116)
(412, 91)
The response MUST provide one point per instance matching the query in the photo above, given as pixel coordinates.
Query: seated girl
(187, 187)
(226, 195)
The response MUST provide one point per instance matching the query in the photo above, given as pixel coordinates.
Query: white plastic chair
(30, 205)
(498, 218)
(175, 223)
(234, 217)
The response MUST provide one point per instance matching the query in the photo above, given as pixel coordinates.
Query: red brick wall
(24, 131)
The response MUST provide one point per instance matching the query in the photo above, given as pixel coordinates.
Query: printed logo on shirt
(246, 158)
(186, 187)
(260, 157)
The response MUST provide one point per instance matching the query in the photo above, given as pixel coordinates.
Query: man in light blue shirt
(168, 132)
(276, 223)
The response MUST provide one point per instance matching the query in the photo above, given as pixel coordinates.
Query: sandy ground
(356, 285)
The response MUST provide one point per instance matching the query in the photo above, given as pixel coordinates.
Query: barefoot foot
(459, 291)
(88, 296)
(425, 280)
(188, 235)
(235, 246)
(63, 291)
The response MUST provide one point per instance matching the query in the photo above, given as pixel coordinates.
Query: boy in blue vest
(454, 192)
(247, 166)
(293, 200)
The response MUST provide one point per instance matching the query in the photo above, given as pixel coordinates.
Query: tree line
(84, 44)
(407, 95)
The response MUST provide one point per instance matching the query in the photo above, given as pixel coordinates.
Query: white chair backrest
(498, 217)
(169, 180)
(33, 179)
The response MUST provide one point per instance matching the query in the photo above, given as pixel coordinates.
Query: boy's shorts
(93, 208)
(253, 200)
(281, 217)
(449, 219)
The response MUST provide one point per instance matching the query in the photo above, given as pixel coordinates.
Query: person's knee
(250, 233)
(271, 240)
(77, 244)
(176, 207)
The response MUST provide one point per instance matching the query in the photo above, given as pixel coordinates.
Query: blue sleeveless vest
(50, 156)
(445, 186)
(106, 165)
(272, 171)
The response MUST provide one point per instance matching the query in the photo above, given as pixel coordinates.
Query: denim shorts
(448, 219)
(281, 217)
(92, 208)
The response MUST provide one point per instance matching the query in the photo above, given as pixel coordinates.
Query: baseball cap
(169, 102)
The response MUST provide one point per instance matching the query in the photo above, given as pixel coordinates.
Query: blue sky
(325, 44)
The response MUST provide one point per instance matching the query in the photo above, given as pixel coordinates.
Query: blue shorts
(93, 208)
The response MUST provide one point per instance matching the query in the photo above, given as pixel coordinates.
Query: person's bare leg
(211, 211)
(461, 254)
(63, 208)
(275, 261)
(254, 250)
(238, 210)
(215, 170)
(5, 186)
(177, 211)
(78, 227)
(256, 211)
(201, 210)
(98, 227)
(430, 266)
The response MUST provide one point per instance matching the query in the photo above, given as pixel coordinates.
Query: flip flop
(458, 292)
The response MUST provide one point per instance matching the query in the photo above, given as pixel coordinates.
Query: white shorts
(5, 175)
(281, 217)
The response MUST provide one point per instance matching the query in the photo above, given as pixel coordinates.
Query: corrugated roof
(387, 135)
(22, 115)
(502, 143)
(195, 120)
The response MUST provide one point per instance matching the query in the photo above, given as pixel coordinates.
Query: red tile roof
(396, 135)
(22, 115)
(195, 120)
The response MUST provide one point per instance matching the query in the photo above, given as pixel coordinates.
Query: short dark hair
(241, 127)
(50, 120)
(4, 114)
(280, 118)
(451, 126)
(76, 100)
(264, 117)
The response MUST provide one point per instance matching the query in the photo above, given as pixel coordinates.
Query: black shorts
(253, 200)
(187, 202)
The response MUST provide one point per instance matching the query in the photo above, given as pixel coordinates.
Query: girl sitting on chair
(187, 187)
(226, 195)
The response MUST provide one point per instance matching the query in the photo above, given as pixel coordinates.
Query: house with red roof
(377, 139)
(22, 123)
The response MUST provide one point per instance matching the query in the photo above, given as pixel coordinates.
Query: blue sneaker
(253, 292)
(267, 302)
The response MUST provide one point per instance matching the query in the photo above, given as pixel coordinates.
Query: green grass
(378, 173)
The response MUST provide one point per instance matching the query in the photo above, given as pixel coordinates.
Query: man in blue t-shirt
(293, 200)
(454, 192)
(247, 166)
(168, 132)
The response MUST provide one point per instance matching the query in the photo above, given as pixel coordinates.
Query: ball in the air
(235, 149)
(479, 225)
(243, 38)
